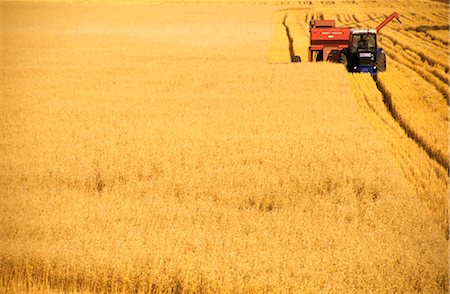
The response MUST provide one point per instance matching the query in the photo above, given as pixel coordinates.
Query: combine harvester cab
(357, 49)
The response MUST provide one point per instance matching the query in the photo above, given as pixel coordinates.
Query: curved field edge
(427, 111)
(428, 178)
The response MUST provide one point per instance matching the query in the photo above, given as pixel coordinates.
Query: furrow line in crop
(432, 60)
(280, 51)
(428, 178)
(436, 156)
(291, 41)
(426, 36)
(298, 35)
(437, 78)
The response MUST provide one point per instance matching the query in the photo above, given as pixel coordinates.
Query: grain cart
(355, 48)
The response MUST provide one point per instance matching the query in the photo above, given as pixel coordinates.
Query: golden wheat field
(174, 148)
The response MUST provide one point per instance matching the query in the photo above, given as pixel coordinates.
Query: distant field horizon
(262, 2)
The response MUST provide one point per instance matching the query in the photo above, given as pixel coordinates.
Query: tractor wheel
(381, 62)
(296, 58)
(343, 59)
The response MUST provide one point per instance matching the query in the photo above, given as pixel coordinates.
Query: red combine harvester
(355, 48)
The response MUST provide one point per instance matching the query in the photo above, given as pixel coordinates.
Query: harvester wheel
(296, 58)
(381, 62)
(343, 59)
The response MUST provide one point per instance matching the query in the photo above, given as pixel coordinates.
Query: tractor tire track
(281, 48)
(433, 154)
(443, 44)
(426, 175)
(298, 35)
(291, 41)
(424, 56)
(437, 79)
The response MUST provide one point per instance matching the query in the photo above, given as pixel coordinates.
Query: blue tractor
(363, 53)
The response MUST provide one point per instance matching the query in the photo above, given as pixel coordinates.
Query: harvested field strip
(418, 17)
(440, 35)
(427, 177)
(421, 36)
(289, 37)
(418, 110)
(435, 76)
(423, 49)
(298, 23)
(298, 35)
(281, 49)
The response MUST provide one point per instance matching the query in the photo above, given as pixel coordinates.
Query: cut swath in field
(281, 47)
(436, 78)
(429, 179)
(419, 108)
(435, 75)
(443, 35)
(428, 51)
(295, 35)
(298, 31)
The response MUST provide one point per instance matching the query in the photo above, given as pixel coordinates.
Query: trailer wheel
(381, 62)
(343, 59)
(296, 58)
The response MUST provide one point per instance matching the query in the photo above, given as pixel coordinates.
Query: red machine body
(325, 39)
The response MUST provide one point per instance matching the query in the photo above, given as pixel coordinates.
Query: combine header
(355, 48)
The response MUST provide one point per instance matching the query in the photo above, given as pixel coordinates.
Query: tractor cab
(363, 54)
(363, 40)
